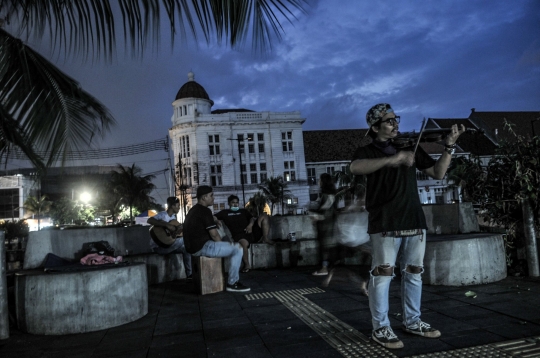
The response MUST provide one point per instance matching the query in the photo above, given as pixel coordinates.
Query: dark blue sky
(427, 58)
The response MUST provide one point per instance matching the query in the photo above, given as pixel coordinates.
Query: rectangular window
(289, 174)
(292, 201)
(215, 175)
(243, 168)
(244, 178)
(261, 148)
(286, 141)
(260, 137)
(253, 167)
(254, 178)
(187, 145)
(241, 148)
(311, 176)
(240, 137)
(263, 177)
(216, 207)
(263, 167)
(251, 148)
(330, 170)
(213, 146)
(250, 137)
(222, 206)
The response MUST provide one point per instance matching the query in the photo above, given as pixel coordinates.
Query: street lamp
(85, 197)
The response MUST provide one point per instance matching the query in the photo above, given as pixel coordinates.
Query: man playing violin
(397, 225)
(174, 242)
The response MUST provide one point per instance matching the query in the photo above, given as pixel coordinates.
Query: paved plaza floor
(289, 314)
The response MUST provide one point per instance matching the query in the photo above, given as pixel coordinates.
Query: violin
(410, 139)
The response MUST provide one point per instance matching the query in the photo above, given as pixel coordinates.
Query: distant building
(235, 150)
(14, 189)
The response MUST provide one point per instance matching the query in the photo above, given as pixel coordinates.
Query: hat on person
(203, 190)
(377, 112)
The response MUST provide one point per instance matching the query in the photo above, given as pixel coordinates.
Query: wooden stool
(208, 274)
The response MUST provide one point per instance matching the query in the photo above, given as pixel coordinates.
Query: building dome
(192, 89)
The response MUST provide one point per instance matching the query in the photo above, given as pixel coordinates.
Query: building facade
(235, 150)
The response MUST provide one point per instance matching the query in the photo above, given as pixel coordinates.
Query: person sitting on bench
(245, 229)
(202, 238)
(166, 234)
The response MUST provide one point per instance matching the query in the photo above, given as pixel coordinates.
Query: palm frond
(50, 108)
(89, 26)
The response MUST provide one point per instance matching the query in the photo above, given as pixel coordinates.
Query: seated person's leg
(224, 249)
(245, 245)
(261, 228)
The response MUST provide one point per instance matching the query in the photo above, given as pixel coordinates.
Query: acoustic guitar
(163, 237)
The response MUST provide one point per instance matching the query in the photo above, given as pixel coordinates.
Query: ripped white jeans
(408, 251)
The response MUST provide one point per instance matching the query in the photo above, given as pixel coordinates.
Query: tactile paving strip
(351, 343)
(344, 338)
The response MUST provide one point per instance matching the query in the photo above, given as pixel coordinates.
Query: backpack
(98, 247)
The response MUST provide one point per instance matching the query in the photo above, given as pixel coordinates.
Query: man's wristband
(450, 146)
(450, 150)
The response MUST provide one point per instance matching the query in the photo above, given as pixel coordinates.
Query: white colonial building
(235, 150)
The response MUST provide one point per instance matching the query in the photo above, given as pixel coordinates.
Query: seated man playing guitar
(166, 233)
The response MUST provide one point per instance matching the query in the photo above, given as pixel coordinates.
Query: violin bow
(420, 135)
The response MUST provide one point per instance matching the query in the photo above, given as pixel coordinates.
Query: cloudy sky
(427, 58)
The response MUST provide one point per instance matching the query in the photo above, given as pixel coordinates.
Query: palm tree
(132, 188)
(274, 188)
(350, 187)
(37, 206)
(257, 203)
(45, 114)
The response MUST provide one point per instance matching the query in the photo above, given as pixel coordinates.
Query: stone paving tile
(520, 310)
(314, 348)
(514, 330)
(176, 339)
(147, 321)
(174, 324)
(285, 337)
(268, 314)
(464, 312)
(472, 338)
(189, 351)
(337, 304)
(225, 323)
(415, 345)
(254, 351)
(282, 325)
(218, 313)
(117, 344)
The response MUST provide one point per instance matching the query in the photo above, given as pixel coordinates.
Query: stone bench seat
(56, 303)
(464, 259)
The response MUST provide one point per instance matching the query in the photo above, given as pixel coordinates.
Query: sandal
(246, 270)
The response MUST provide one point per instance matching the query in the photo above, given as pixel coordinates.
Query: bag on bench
(98, 247)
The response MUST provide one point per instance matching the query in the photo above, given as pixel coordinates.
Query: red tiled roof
(494, 123)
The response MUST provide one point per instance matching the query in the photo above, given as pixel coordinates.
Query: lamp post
(239, 139)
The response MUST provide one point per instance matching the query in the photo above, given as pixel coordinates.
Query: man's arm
(249, 228)
(441, 165)
(368, 166)
(161, 223)
(214, 234)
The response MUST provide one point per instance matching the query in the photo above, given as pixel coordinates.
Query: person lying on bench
(166, 234)
(202, 238)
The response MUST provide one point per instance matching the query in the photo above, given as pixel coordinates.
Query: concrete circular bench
(465, 259)
(80, 301)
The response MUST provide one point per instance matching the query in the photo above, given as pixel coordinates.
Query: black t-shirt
(236, 221)
(392, 193)
(198, 222)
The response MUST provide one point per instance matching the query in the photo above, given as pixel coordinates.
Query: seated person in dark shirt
(201, 238)
(245, 229)
(169, 241)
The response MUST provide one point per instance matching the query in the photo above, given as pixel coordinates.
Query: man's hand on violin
(454, 135)
(403, 157)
